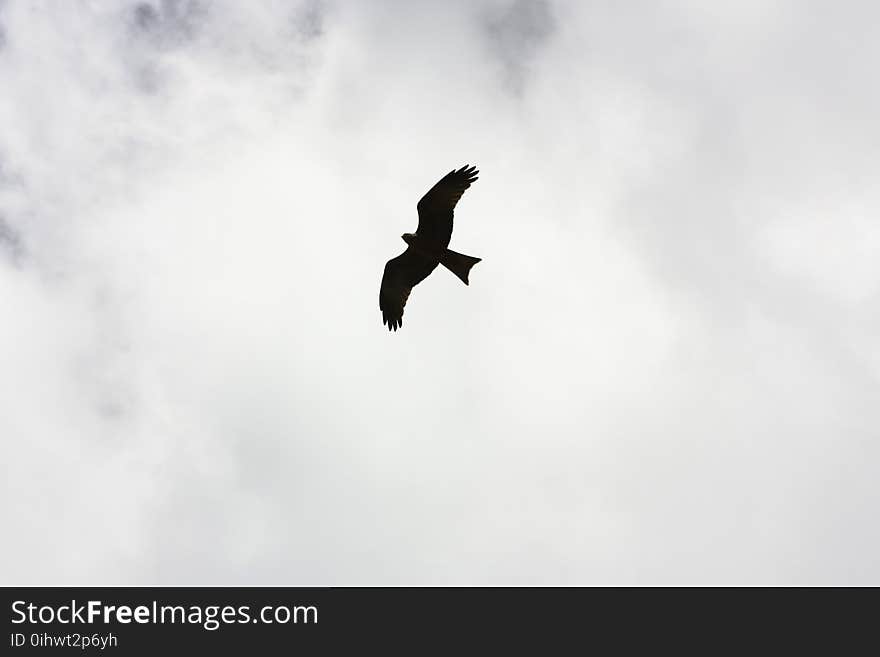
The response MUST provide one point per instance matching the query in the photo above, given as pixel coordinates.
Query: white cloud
(662, 372)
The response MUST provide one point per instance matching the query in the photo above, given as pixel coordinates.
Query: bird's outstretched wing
(435, 208)
(401, 275)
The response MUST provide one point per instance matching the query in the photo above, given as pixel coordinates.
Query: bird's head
(408, 238)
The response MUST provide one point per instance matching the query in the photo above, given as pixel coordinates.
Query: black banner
(127, 621)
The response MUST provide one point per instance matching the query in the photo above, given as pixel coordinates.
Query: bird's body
(427, 247)
(423, 247)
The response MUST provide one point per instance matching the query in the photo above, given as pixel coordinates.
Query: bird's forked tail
(458, 263)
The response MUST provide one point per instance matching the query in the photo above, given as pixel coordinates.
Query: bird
(427, 247)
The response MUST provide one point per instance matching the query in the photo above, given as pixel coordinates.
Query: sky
(665, 368)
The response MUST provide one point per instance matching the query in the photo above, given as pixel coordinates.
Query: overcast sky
(665, 370)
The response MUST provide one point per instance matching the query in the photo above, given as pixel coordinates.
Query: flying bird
(426, 248)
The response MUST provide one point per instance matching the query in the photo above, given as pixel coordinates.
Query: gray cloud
(517, 33)
(663, 371)
(10, 241)
(171, 22)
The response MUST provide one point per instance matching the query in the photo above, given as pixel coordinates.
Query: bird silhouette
(427, 247)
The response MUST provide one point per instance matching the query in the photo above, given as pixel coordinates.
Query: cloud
(663, 370)
(517, 32)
